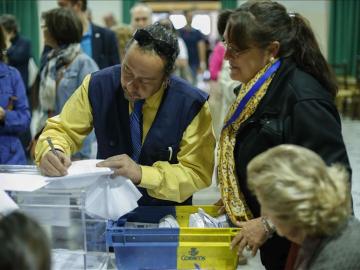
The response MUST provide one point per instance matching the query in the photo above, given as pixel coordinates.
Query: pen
(48, 139)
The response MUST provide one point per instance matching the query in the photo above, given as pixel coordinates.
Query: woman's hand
(252, 236)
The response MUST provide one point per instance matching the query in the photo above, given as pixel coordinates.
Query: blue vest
(181, 102)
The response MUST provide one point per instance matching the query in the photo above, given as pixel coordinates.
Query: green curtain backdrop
(228, 4)
(26, 13)
(127, 5)
(344, 34)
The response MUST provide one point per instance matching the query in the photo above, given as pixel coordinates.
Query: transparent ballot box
(77, 239)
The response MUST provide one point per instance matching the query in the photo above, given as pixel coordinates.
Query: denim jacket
(72, 78)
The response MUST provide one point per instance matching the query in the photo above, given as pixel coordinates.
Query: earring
(272, 59)
(166, 83)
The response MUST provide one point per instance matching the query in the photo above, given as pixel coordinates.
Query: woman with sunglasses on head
(286, 96)
(152, 127)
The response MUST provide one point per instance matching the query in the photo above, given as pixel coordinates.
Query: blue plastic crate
(143, 248)
(170, 248)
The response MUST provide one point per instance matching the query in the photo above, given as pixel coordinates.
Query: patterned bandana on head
(231, 195)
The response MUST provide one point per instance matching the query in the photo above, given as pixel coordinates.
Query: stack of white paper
(108, 198)
(81, 173)
(84, 171)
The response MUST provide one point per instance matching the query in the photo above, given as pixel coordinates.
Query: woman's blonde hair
(295, 184)
(123, 34)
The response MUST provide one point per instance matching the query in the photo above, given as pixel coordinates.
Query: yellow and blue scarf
(244, 106)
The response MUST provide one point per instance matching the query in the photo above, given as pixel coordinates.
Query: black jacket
(19, 55)
(104, 47)
(295, 110)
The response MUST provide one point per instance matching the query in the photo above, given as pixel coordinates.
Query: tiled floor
(351, 133)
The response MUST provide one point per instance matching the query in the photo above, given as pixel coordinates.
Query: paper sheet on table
(81, 173)
(112, 198)
(107, 198)
(7, 205)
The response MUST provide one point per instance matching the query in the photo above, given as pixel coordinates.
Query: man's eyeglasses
(234, 51)
(144, 38)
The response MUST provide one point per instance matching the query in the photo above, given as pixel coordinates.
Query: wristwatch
(269, 227)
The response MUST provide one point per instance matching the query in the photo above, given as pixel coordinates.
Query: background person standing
(195, 44)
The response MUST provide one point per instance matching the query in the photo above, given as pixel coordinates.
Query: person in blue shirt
(97, 42)
(14, 110)
(195, 44)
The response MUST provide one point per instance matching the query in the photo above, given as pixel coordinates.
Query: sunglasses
(144, 38)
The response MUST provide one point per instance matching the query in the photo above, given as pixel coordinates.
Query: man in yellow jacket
(151, 127)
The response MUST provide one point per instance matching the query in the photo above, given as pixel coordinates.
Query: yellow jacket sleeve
(177, 182)
(68, 129)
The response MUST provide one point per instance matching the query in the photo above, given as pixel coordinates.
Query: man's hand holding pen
(54, 162)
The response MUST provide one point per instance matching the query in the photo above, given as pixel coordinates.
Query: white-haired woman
(310, 204)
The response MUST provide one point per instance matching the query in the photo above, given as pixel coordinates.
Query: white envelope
(112, 198)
